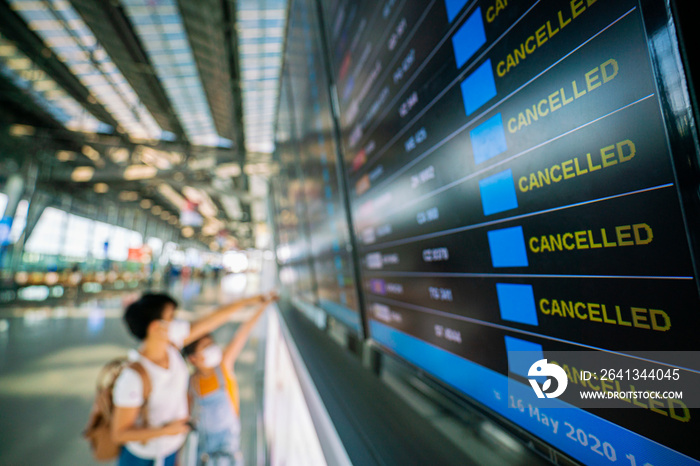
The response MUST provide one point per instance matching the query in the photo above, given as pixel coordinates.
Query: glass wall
(308, 158)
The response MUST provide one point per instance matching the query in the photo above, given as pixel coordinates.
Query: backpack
(99, 428)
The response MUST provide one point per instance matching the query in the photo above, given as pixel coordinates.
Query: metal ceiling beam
(108, 22)
(16, 30)
(231, 42)
(204, 21)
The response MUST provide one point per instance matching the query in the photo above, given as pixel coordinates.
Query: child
(214, 393)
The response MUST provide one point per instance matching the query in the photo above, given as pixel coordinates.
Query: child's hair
(139, 314)
(190, 349)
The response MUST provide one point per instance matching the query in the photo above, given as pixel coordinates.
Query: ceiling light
(118, 154)
(128, 196)
(139, 172)
(145, 204)
(156, 210)
(173, 196)
(228, 170)
(90, 153)
(65, 155)
(22, 130)
(192, 194)
(101, 188)
(187, 232)
(82, 174)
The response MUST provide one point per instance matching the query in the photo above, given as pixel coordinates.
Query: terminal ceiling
(163, 105)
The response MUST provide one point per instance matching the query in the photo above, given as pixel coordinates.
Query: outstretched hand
(272, 296)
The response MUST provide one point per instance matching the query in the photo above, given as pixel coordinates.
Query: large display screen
(310, 182)
(512, 188)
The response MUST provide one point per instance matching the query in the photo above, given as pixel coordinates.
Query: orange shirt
(208, 384)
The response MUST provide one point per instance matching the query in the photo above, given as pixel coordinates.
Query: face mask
(212, 356)
(178, 330)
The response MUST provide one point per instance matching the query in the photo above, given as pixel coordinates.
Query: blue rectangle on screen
(488, 139)
(517, 303)
(469, 38)
(498, 193)
(453, 7)
(508, 247)
(522, 354)
(478, 88)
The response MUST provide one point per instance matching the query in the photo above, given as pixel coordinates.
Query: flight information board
(309, 154)
(512, 187)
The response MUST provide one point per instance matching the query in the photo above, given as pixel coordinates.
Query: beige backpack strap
(138, 367)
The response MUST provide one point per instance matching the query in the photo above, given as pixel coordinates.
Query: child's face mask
(211, 356)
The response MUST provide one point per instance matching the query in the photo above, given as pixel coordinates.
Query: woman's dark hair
(139, 314)
(190, 349)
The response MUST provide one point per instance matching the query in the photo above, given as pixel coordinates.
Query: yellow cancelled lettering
(533, 181)
(554, 104)
(624, 323)
(541, 35)
(642, 233)
(594, 312)
(592, 79)
(594, 245)
(555, 178)
(522, 184)
(577, 93)
(564, 239)
(591, 166)
(674, 405)
(605, 315)
(529, 46)
(577, 7)
(579, 171)
(490, 14)
(555, 242)
(500, 69)
(606, 243)
(511, 125)
(639, 317)
(660, 321)
(607, 154)
(563, 23)
(564, 100)
(609, 70)
(567, 309)
(556, 309)
(623, 235)
(631, 150)
(567, 169)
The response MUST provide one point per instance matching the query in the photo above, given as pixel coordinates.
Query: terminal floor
(50, 357)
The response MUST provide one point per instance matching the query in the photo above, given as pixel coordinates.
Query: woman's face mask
(178, 330)
(211, 356)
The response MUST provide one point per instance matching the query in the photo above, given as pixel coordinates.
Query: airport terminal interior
(393, 232)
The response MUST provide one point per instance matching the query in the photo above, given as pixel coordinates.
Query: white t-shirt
(167, 401)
